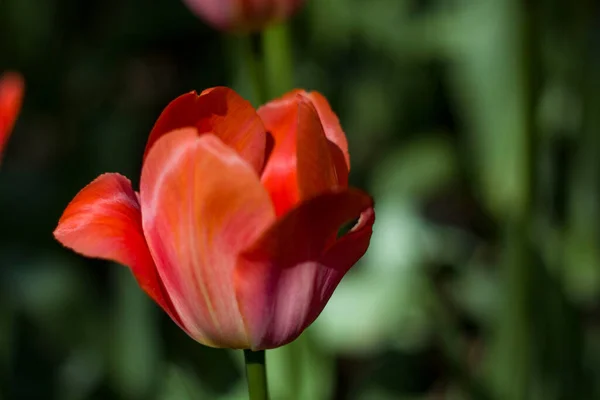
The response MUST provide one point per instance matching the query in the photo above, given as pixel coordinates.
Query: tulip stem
(256, 374)
(277, 60)
(252, 66)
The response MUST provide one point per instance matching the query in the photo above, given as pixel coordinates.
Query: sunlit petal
(221, 111)
(201, 204)
(300, 165)
(104, 221)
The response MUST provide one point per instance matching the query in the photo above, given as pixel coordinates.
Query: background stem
(251, 68)
(277, 60)
(256, 374)
(515, 362)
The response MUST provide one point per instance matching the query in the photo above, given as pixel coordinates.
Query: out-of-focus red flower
(234, 232)
(11, 96)
(243, 15)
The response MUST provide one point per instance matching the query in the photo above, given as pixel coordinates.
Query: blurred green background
(475, 124)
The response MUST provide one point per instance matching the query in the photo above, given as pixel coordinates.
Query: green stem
(252, 69)
(256, 374)
(277, 60)
(515, 361)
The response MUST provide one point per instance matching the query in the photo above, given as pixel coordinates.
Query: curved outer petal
(243, 15)
(219, 110)
(11, 97)
(201, 204)
(300, 165)
(104, 221)
(285, 279)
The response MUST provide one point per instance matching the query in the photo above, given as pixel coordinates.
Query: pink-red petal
(284, 280)
(300, 165)
(104, 221)
(338, 260)
(11, 97)
(243, 16)
(218, 110)
(201, 204)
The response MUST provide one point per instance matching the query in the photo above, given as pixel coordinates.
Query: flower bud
(243, 15)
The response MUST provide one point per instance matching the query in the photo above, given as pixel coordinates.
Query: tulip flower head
(243, 15)
(234, 231)
(11, 96)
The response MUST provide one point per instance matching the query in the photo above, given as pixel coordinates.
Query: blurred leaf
(179, 384)
(381, 300)
(81, 373)
(415, 169)
(136, 350)
(490, 88)
(300, 370)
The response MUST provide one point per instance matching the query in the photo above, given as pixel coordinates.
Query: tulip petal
(339, 258)
(335, 134)
(201, 204)
(300, 165)
(104, 221)
(221, 111)
(243, 16)
(11, 97)
(284, 280)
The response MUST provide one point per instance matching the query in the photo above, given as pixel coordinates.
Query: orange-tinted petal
(104, 221)
(338, 144)
(335, 134)
(11, 97)
(285, 279)
(201, 204)
(221, 111)
(300, 165)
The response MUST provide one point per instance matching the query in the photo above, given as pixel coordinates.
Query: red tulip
(243, 15)
(234, 232)
(11, 96)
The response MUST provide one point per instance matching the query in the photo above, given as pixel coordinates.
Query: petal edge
(104, 221)
(11, 96)
(218, 110)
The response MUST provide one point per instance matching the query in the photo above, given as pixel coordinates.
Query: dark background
(475, 124)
